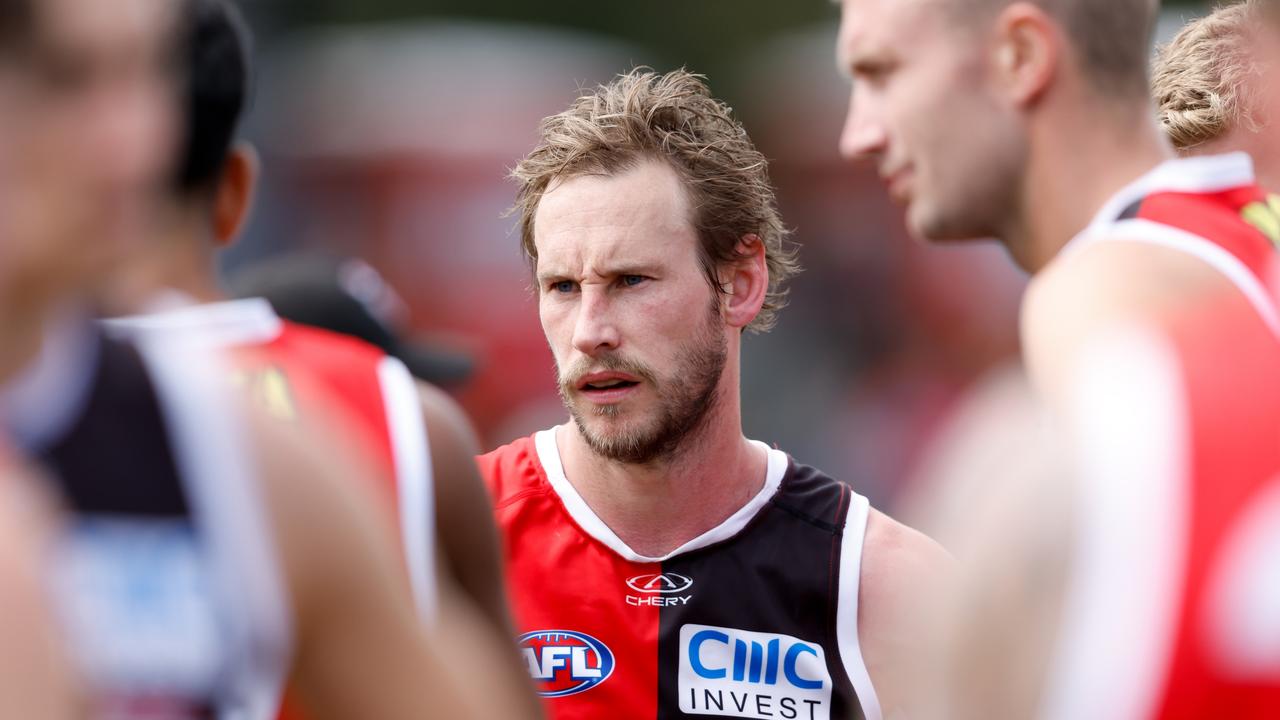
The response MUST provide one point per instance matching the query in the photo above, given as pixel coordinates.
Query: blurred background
(387, 128)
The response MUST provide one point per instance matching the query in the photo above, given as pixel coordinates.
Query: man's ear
(1027, 51)
(234, 197)
(746, 282)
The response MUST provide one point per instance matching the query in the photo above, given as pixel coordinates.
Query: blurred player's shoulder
(1191, 229)
(325, 349)
(513, 471)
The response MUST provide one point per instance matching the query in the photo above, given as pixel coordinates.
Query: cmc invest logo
(564, 662)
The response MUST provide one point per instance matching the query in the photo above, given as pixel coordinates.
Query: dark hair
(15, 23)
(217, 50)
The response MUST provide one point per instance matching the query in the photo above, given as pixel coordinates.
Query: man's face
(91, 100)
(946, 150)
(638, 338)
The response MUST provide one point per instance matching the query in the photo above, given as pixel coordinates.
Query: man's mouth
(607, 385)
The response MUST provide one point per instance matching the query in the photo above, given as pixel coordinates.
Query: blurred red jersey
(1209, 207)
(1174, 611)
(351, 388)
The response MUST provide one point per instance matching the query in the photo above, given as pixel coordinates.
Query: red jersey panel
(755, 619)
(1210, 207)
(1226, 654)
(1173, 609)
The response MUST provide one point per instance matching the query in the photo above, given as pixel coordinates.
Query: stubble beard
(685, 403)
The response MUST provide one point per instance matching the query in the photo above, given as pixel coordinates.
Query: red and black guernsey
(1210, 207)
(756, 618)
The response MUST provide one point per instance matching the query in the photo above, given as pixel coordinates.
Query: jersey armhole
(851, 544)
(415, 496)
(1212, 254)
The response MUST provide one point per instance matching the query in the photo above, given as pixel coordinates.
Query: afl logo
(663, 583)
(564, 662)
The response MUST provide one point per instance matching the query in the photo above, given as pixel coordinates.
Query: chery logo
(661, 583)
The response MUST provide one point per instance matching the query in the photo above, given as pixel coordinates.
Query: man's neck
(1077, 169)
(183, 262)
(657, 508)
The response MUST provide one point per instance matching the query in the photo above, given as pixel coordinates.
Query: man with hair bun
(1216, 86)
(660, 563)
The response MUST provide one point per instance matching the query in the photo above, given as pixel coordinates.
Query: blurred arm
(472, 585)
(360, 651)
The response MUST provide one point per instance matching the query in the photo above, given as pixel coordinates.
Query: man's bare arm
(360, 650)
(473, 587)
(903, 587)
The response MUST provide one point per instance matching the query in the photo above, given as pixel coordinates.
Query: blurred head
(1216, 83)
(651, 226)
(215, 173)
(945, 93)
(90, 137)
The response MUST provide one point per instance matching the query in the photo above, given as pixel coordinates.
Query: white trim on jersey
(214, 460)
(250, 321)
(1115, 643)
(851, 545)
(1203, 174)
(414, 481)
(1147, 231)
(586, 518)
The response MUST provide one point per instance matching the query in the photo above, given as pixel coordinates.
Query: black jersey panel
(753, 633)
(116, 458)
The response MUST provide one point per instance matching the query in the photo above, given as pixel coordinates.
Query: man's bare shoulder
(897, 562)
(1091, 290)
(905, 578)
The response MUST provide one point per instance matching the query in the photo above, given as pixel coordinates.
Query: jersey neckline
(247, 321)
(1204, 174)
(549, 457)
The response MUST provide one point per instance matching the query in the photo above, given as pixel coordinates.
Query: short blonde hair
(672, 118)
(1199, 77)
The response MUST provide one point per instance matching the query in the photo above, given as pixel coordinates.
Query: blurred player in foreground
(201, 560)
(416, 442)
(660, 563)
(1083, 592)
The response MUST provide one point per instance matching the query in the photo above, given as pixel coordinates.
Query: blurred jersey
(346, 387)
(1210, 207)
(756, 618)
(1174, 611)
(165, 571)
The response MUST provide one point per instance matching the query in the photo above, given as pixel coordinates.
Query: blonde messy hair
(672, 118)
(1199, 77)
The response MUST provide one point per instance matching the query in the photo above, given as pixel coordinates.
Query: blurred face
(1264, 95)
(639, 342)
(91, 102)
(919, 109)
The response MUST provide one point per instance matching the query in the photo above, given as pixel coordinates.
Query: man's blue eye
(630, 280)
(564, 286)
